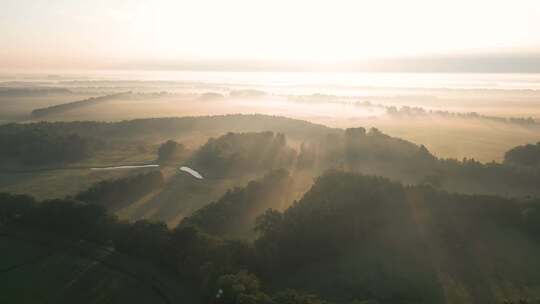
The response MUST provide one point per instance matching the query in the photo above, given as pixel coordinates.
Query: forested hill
(360, 237)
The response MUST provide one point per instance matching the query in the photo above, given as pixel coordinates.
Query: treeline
(412, 111)
(34, 146)
(407, 111)
(118, 193)
(236, 154)
(54, 137)
(166, 128)
(170, 151)
(75, 104)
(376, 153)
(351, 238)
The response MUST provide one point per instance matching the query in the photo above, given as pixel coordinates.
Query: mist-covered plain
(270, 152)
(455, 118)
(299, 188)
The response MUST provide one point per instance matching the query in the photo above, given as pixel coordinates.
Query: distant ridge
(40, 112)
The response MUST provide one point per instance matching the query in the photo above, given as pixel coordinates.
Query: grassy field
(63, 180)
(454, 137)
(180, 197)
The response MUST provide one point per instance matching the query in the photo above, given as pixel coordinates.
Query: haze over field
(270, 152)
(454, 115)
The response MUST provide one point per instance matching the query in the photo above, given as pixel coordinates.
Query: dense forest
(367, 232)
(350, 238)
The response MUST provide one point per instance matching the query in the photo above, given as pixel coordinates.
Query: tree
(268, 222)
(13, 207)
(290, 296)
(170, 151)
(240, 288)
(527, 155)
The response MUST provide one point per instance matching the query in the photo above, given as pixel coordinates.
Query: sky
(132, 34)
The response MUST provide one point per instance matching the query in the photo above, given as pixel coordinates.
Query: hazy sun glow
(100, 33)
